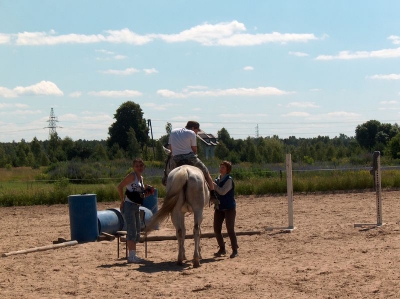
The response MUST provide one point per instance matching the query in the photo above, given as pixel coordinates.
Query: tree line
(129, 138)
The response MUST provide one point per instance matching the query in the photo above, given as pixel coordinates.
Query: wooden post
(376, 171)
(289, 182)
(43, 248)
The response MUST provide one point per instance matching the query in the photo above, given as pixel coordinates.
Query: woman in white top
(135, 192)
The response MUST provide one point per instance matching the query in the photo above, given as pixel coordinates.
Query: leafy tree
(22, 152)
(224, 136)
(133, 149)
(54, 149)
(221, 151)
(394, 147)
(128, 115)
(366, 133)
(3, 158)
(100, 153)
(68, 146)
(160, 155)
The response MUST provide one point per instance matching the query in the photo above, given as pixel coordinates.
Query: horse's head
(169, 165)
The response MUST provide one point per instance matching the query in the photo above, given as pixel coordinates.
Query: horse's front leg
(196, 255)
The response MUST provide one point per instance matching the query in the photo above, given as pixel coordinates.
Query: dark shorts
(191, 159)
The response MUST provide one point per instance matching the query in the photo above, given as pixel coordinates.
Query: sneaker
(135, 260)
(220, 252)
(234, 254)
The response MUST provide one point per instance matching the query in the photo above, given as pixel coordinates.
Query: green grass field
(18, 186)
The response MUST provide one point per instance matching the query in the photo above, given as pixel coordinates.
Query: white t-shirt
(182, 140)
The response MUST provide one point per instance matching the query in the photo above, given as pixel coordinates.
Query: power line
(52, 124)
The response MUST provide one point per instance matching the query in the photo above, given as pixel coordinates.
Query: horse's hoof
(196, 263)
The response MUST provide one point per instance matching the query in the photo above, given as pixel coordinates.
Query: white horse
(186, 191)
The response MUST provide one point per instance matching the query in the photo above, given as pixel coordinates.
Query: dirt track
(325, 257)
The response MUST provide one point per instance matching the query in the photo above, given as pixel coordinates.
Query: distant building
(208, 142)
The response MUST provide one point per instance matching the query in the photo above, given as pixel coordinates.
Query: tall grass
(247, 182)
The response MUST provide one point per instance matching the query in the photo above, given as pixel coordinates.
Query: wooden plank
(108, 236)
(203, 235)
(43, 248)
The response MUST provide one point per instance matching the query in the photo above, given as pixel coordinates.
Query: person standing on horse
(226, 210)
(183, 146)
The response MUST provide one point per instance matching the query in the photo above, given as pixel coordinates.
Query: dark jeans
(229, 216)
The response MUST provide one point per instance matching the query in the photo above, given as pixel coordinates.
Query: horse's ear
(167, 151)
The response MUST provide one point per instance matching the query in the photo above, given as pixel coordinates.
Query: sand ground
(324, 257)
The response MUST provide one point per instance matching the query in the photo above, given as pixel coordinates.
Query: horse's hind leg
(196, 235)
(178, 221)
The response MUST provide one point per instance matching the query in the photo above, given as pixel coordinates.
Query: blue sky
(257, 68)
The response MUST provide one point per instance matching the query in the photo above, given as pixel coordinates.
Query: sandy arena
(325, 257)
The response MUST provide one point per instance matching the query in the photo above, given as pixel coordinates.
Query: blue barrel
(110, 221)
(151, 203)
(147, 216)
(83, 217)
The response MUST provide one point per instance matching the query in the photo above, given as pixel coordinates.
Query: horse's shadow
(151, 267)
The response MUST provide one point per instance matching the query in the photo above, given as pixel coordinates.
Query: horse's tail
(175, 184)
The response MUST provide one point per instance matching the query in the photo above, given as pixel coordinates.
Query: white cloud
(241, 115)
(336, 115)
(389, 102)
(259, 91)
(105, 51)
(12, 105)
(206, 34)
(395, 39)
(112, 36)
(223, 34)
(258, 39)
(197, 87)
(150, 71)
(303, 104)
(128, 37)
(314, 89)
(126, 72)
(120, 57)
(347, 55)
(386, 77)
(116, 93)
(296, 114)
(75, 94)
(26, 112)
(7, 93)
(248, 68)
(342, 114)
(298, 54)
(157, 107)
(41, 88)
(170, 94)
(4, 38)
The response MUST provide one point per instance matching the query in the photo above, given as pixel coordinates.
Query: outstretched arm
(225, 188)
